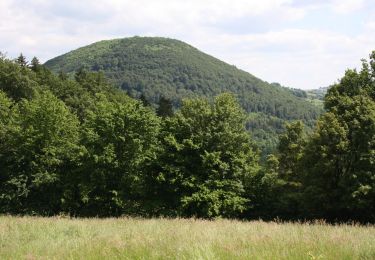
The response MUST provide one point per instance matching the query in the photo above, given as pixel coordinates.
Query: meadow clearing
(135, 238)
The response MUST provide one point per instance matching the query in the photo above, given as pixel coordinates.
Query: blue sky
(302, 44)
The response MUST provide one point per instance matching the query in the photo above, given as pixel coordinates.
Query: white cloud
(297, 58)
(43, 27)
(346, 6)
(268, 45)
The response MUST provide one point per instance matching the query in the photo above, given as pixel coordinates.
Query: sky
(298, 43)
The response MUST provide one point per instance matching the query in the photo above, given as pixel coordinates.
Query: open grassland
(132, 238)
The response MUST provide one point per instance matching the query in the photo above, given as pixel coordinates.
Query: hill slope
(164, 67)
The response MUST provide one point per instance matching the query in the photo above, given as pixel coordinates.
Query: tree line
(81, 147)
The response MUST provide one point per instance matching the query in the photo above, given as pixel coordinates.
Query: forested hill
(161, 67)
(173, 69)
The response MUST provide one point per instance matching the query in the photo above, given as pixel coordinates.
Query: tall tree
(35, 64)
(40, 144)
(340, 156)
(209, 160)
(21, 60)
(120, 140)
(284, 175)
(16, 81)
(290, 151)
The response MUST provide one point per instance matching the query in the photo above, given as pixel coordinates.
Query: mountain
(317, 93)
(316, 96)
(157, 67)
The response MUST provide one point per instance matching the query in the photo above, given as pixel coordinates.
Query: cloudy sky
(298, 43)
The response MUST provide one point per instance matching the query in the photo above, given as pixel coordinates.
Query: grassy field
(129, 238)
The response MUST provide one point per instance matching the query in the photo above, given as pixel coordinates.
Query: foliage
(16, 81)
(318, 94)
(159, 67)
(165, 108)
(80, 147)
(209, 159)
(21, 60)
(333, 169)
(281, 193)
(40, 144)
(120, 140)
(341, 153)
(83, 148)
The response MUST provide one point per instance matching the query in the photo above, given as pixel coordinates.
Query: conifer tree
(35, 64)
(21, 60)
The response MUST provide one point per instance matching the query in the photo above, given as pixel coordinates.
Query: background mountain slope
(170, 68)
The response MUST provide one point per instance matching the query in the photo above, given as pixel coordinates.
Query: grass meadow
(133, 238)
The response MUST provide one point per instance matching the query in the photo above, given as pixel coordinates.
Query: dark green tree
(121, 140)
(35, 64)
(340, 180)
(21, 60)
(209, 160)
(165, 107)
(16, 81)
(41, 143)
(290, 151)
(287, 188)
(5, 119)
(5, 105)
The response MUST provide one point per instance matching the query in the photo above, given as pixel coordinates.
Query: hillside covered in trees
(81, 147)
(160, 67)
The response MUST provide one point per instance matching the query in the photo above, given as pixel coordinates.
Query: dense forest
(78, 146)
(155, 68)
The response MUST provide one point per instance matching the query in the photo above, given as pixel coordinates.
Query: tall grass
(131, 238)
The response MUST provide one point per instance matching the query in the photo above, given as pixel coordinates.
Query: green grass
(131, 238)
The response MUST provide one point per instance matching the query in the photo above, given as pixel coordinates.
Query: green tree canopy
(165, 107)
(121, 140)
(41, 142)
(209, 159)
(341, 154)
